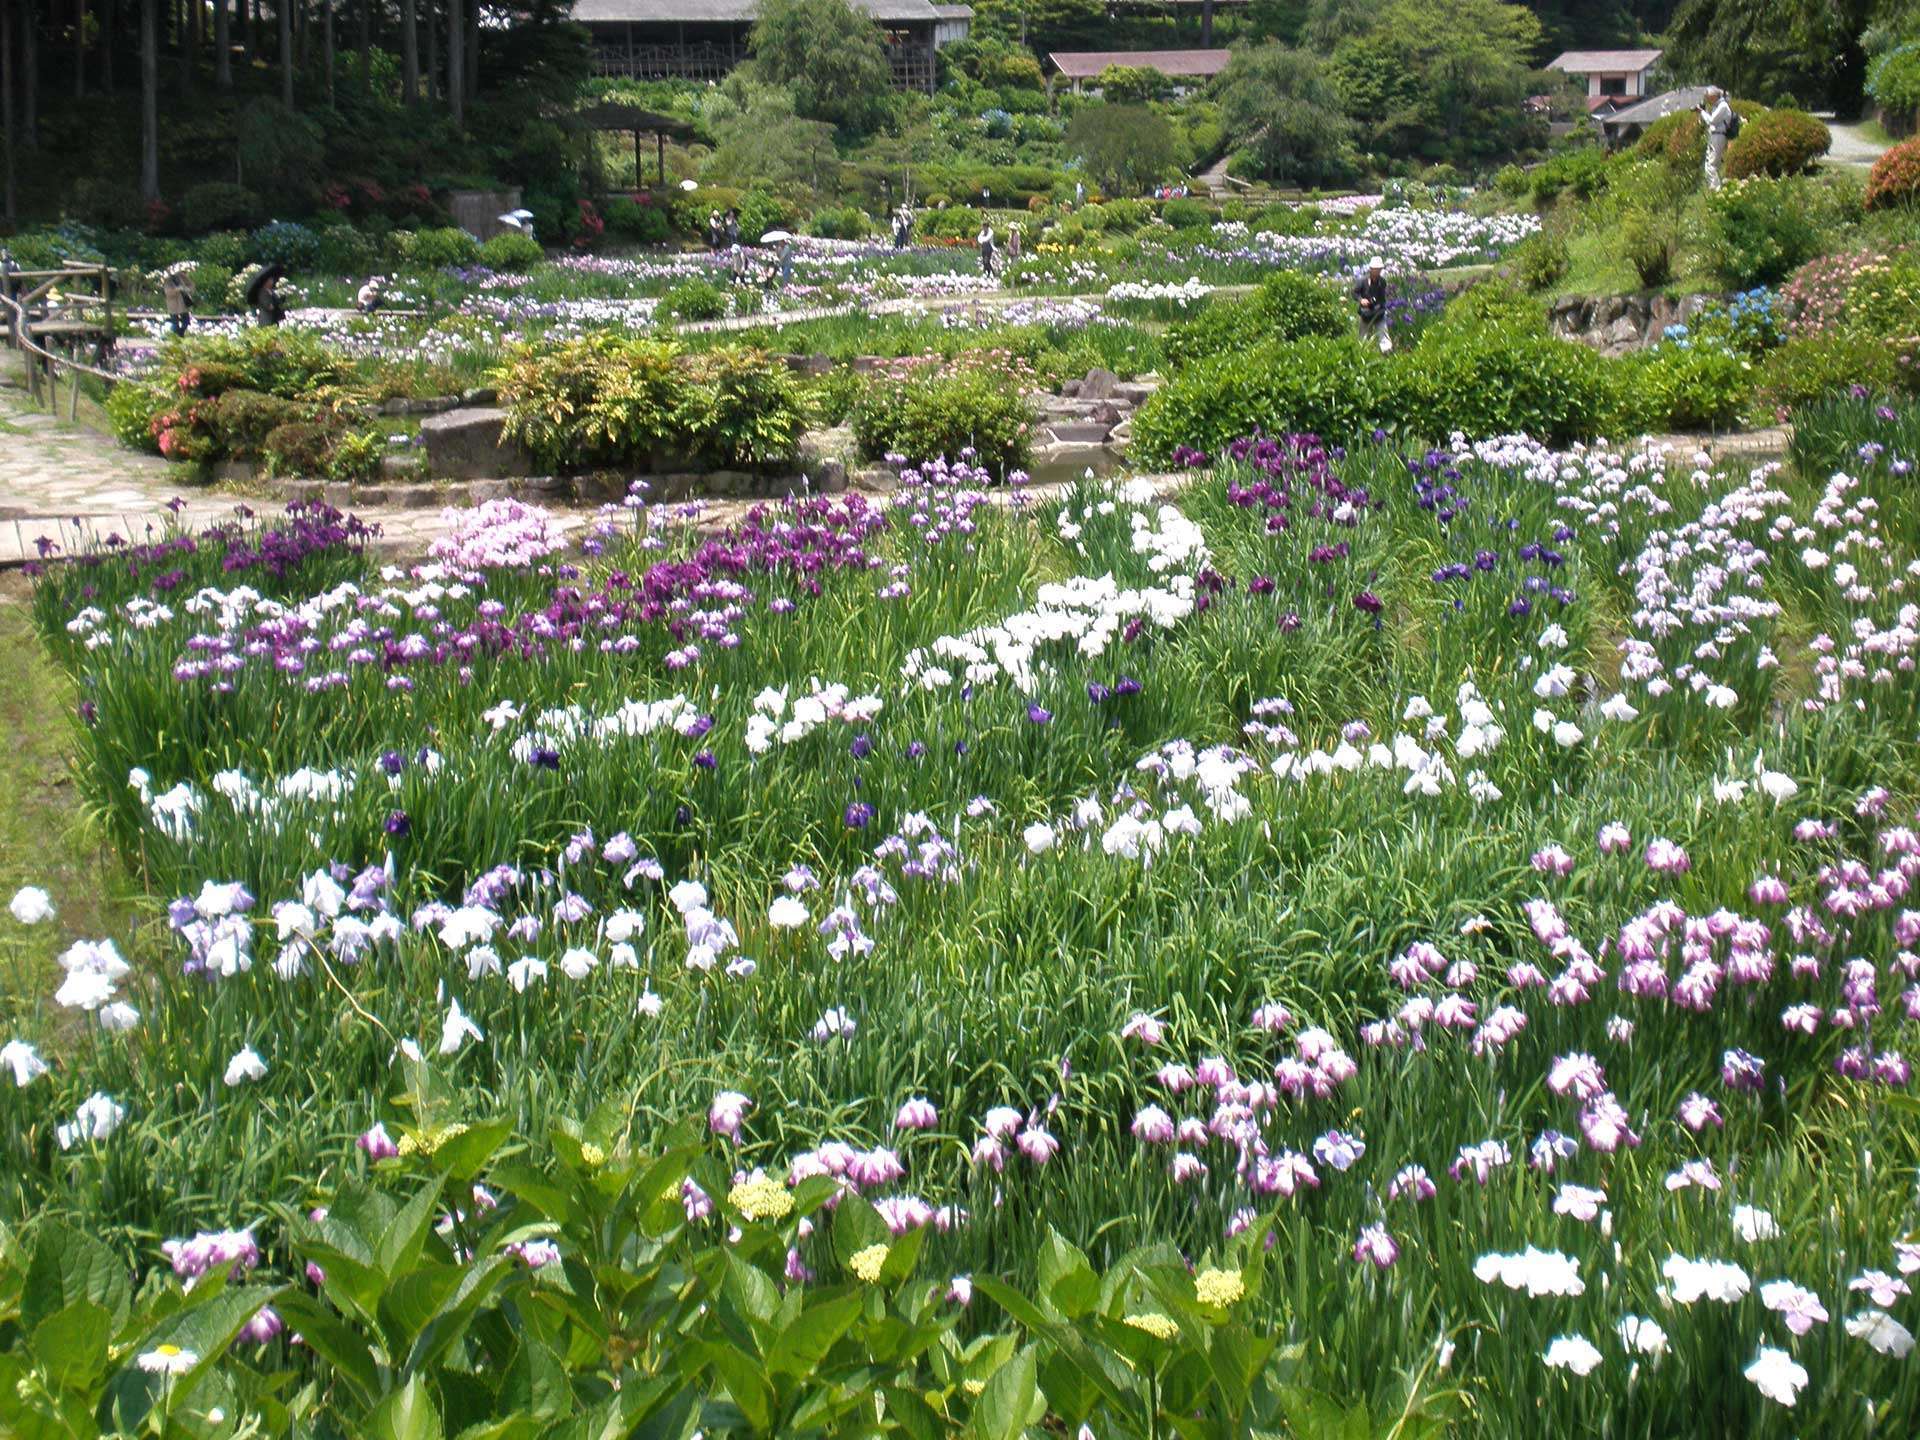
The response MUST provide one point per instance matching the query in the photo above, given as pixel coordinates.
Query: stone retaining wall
(1615, 324)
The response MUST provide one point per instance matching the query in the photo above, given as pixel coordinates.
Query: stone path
(1852, 147)
(71, 486)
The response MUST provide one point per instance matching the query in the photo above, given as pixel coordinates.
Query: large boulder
(469, 444)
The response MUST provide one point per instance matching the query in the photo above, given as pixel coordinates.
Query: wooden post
(456, 64)
(150, 100)
(409, 53)
(285, 7)
(222, 45)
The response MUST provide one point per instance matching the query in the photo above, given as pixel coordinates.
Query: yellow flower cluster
(1161, 1327)
(1219, 1287)
(868, 1263)
(426, 1142)
(592, 1155)
(761, 1197)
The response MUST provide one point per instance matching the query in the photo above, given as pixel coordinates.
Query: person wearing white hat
(1370, 292)
(1721, 125)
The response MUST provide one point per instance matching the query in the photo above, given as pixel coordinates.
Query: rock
(830, 478)
(1070, 389)
(1108, 414)
(400, 467)
(866, 364)
(1626, 331)
(485, 395)
(1098, 385)
(672, 489)
(481, 491)
(468, 444)
(1079, 432)
(1134, 393)
(396, 405)
(234, 472)
(878, 479)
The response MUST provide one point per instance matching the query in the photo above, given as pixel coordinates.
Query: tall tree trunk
(366, 44)
(472, 51)
(6, 107)
(222, 45)
(150, 100)
(456, 64)
(196, 33)
(409, 53)
(431, 20)
(285, 7)
(79, 49)
(1206, 24)
(109, 42)
(327, 47)
(30, 73)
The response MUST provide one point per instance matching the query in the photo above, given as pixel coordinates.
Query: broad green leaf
(334, 1341)
(71, 1344)
(399, 1246)
(1001, 1411)
(804, 1344)
(748, 1287)
(740, 1374)
(70, 1265)
(407, 1413)
(857, 1226)
(1066, 1278)
(465, 1155)
(1013, 1302)
(913, 1414)
(477, 1285)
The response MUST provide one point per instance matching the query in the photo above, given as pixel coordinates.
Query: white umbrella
(689, 185)
(774, 237)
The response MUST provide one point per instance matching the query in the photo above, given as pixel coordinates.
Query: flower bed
(1430, 928)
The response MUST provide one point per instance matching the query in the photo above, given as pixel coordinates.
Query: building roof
(724, 12)
(1087, 64)
(1688, 97)
(953, 12)
(1604, 62)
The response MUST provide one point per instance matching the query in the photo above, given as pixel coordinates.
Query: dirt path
(1852, 147)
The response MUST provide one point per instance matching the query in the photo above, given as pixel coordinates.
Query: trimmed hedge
(1778, 142)
(1895, 177)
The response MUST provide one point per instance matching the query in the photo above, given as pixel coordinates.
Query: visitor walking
(786, 262)
(1722, 125)
(714, 232)
(1079, 194)
(1370, 290)
(731, 229)
(176, 291)
(1013, 244)
(985, 241)
(371, 295)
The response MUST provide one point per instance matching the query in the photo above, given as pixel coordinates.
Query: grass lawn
(45, 839)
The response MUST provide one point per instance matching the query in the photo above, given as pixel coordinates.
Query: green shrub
(240, 421)
(1779, 142)
(1811, 367)
(356, 455)
(218, 205)
(1511, 181)
(511, 251)
(1540, 261)
(299, 447)
(1280, 219)
(1696, 387)
(1581, 172)
(343, 250)
(849, 222)
(603, 399)
(928, 415)
(739, 406)
(695, 299)
(293, 246)
(956, 222)
(1491, 304)
(443, 246)
(1895, 177)
(1680, 139)
(1759, 231)
(1647, 237)
(1187, 214)
(1127, 215)
(640, 224)
(1893, 81)
(1487, 380)
(131, 408)
(1287, 306)
(225, 248)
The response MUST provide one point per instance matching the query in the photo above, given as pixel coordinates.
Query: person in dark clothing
(177, 292)
(733, 228)
(1370, 291)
